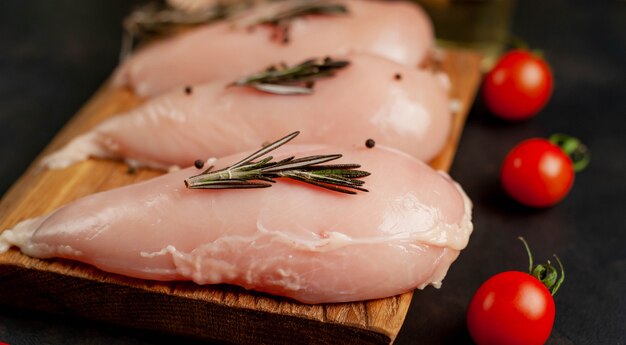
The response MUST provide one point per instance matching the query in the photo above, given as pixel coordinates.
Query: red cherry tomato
(511, 308)
(537, 173)
(518, 86)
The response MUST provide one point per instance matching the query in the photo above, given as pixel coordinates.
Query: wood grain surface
(223, 312)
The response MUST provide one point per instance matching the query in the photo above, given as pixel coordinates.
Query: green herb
(159, 19)
(304, 9)
(249, 173)
(281, 21)
(156, 20)
(295, 80)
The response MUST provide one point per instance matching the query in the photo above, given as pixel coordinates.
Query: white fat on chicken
(292, 239)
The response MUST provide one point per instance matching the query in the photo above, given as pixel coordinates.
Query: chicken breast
(293, 239)
(399, 31)
(373, 97)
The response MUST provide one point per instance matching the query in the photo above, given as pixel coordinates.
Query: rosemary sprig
(281, 21)
(248, 173)
(295, 80)
(158, 19)
(304, 9)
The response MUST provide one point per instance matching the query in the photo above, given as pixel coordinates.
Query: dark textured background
(55, 54)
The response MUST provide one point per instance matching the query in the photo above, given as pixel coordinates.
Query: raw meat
(364, 100)
(399, 31)
(292, 239)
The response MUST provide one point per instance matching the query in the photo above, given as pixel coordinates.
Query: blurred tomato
(537, 173)
(518, 86)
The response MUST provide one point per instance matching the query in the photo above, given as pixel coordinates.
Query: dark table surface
(54, 55)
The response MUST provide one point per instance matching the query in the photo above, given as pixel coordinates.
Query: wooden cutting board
(222, 312)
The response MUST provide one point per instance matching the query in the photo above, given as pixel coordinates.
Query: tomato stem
(517, 42)
(530, 255)
(574, 149)
(545, 273)
(561, 279)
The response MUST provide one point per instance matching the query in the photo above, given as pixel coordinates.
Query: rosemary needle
(250, 173)
(295, 80)
(281, 21)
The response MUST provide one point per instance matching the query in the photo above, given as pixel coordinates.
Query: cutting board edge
(54, 299)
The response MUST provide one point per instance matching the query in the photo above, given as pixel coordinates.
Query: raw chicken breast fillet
(399, 31)
(292, 239)
(363, 100)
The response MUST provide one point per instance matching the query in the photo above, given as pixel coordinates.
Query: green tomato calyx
(574, 149)
(545, 273)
